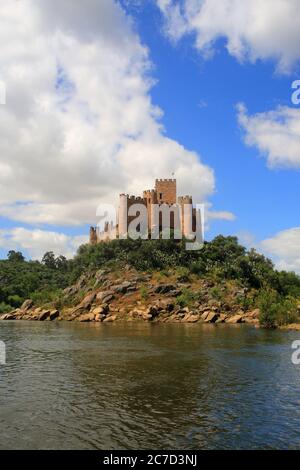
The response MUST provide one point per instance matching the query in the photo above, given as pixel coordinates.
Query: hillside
(153, 281)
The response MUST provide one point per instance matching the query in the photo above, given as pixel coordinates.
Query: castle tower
(150, 197)
(122, 216)
(166, 191)
(93, 235)
(186, 203)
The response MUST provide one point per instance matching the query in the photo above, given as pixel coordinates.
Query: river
(144, 386)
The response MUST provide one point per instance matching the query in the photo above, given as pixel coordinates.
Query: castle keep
(164, 194)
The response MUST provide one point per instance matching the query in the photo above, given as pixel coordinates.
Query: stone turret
(93, 235)
(166, 190)
(186, 203)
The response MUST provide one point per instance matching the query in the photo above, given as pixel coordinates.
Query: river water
(143, 386)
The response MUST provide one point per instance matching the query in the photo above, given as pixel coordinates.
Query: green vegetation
(144, 293)
(220, 261)
(186, 298)
(276, 310)
(20, 280)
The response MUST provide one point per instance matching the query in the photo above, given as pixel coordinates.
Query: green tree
(15, 256)
(49, 260)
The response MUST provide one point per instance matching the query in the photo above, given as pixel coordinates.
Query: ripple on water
(74, 386)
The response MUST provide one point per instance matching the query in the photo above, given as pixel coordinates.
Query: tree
(49, 260)
(61, 263)
(15, 256)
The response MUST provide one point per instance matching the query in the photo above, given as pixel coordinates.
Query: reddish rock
(212, 317)
(44, 315)
(87, 317)
(88, 300)
(235, 319)
(27, 305)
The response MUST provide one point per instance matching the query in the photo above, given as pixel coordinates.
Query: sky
(104, 96)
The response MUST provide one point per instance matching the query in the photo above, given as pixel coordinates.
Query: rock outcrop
(132, 296)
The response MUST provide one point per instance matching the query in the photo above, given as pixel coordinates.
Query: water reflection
(147, 386)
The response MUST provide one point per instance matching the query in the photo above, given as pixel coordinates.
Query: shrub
(183, 274)
(276, 310)
(186, 298)
(144, 293)
(4, 308)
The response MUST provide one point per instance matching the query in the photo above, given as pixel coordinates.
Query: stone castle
(164, 193)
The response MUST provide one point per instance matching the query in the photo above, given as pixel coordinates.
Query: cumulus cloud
(79, 126)
(252, 29)
(275, 133)
(284, 248)
(37, 242)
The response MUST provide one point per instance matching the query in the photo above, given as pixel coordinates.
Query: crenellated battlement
(165, 180)
(185, 199)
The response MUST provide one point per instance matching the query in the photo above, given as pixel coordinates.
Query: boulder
(108, 299)
(254, 314)
(88, 300)
(235, 319)
(212, 317)
(111, 318)
(153, 311)
(222, 318)
(174, 293)
(54, 314)
(124, 287)
(9, 316)
(252, 321)
(163, 288)
(77, 311)
(99, 317)
(102, 310)
(87, 317)
(81, 282)
(69, 291)
(100, 275)
(44, 315)
(147, 317)
(26, 305)
(204, 315)
(190, 318)
(105, 296)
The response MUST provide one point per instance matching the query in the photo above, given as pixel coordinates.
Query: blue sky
(200, 70)
(199, 99)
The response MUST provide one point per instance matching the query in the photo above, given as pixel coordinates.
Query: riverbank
(127, 295)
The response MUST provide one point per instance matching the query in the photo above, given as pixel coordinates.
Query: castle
(181, 212)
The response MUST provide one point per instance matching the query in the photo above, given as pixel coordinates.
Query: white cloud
(284, 248)
(275, 133)
(38, 242)
(252, 29)
(221, 215)
(79, 126)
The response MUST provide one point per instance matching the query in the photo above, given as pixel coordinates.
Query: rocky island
(158, 281)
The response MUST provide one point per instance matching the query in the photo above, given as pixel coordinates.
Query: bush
(183, 274)
(4, 308)
(144, 293)
(276, 310)
(186, 298)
